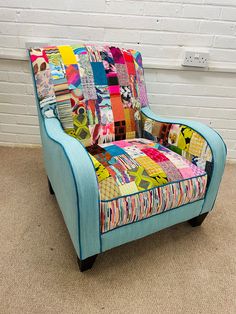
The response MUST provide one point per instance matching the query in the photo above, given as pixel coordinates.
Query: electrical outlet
(196, 59)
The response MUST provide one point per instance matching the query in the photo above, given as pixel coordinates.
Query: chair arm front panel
(209, 151)
(74, 181)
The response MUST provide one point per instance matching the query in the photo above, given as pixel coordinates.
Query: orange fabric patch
(129, 120)
(117, 108)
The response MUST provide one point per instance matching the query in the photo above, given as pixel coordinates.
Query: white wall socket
(195, 59)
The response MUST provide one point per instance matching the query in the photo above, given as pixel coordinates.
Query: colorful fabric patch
(119, 173)
(120, 130)
(67, 55)
(126, 161)
(117, 108)
(174, 134)
(133, 151)
(126, 96)
(104, 158)
(196, 144)
(154, 154)
(185, 136)
(128, 188)
(81, 126)
(99, 73)
(101, 172)
(86, 75)
(39, 60)
(142, 93)
(56, 64)
(61, 87)
(151, 167)
(142, 179)
(114, 150)
(73, 76)
(95, 149)
(65, 115)
(108, 189)
(117, 55)
(44, 84)
(122, 74)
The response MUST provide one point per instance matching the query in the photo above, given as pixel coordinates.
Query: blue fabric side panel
(153, 224)
(217, 146)
(73, 178)
(63, 184)
(83, 178)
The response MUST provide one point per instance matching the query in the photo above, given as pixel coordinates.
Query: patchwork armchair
(119, 172)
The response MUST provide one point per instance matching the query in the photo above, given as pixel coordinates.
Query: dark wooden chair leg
(50, 187)
(197, 221)
(87, 263)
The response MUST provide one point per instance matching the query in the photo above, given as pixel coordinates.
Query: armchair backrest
(96, 92)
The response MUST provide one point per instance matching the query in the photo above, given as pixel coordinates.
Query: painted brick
(159, 29)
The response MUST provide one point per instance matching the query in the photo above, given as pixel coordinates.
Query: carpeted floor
(178, 270)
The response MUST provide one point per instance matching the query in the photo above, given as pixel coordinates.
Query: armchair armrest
(73, 178)
(217, 149)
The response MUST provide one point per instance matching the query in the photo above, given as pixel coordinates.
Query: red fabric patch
(154, 154)
(129, 62)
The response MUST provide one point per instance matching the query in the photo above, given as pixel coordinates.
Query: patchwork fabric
(143, 167)
(139, 170)
(107, 82)
(182, 140)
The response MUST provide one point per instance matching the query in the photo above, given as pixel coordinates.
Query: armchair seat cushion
(139, 178)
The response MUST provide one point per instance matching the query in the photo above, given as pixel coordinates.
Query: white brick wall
(160, 29)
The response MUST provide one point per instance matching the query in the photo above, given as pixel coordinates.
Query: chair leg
(197, 221)
(87, 263)
(50, 187)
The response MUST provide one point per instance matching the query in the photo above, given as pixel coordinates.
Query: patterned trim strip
(136, 207)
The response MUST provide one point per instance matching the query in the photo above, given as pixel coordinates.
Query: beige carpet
(178, 270)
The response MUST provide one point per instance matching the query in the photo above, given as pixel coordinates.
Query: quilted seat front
(139, 178)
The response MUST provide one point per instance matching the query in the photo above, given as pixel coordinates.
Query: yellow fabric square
(130, 135)
(67, 55)
(196, 144)
(101, 171)
(184, 137)
(108, 189)
(151, 167)
(128, 188)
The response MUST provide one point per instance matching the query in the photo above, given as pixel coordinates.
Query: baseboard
(20, 145)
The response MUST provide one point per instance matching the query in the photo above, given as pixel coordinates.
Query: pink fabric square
(122, 143)
(154, 154)
(114, 89)
(187, 173)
